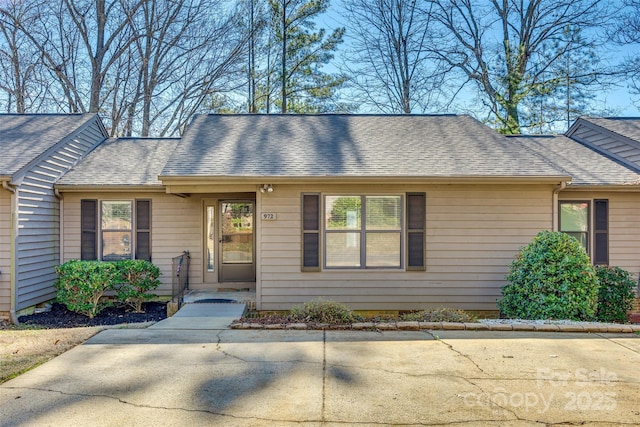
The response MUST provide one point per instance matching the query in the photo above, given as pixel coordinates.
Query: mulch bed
(60, 317)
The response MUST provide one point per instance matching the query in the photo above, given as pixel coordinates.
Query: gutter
(12, 250)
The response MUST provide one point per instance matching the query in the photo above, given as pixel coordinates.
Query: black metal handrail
(180, 276)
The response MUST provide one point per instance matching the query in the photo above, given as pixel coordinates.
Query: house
(379, 212)
(36, 151)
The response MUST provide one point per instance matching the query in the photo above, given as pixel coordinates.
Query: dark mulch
(60, 317)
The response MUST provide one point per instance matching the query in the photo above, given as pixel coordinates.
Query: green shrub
(81, 284)
(439, 315)
(137, 278)
(551, 278)
(616, 294)
(322, 311)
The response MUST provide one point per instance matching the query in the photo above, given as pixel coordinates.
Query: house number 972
(268, 216)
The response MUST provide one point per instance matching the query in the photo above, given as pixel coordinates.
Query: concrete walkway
(176, 377)
(203, 316)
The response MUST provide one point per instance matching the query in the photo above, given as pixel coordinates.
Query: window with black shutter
(143, 229)
(311, 232)
(416, 226)
(601, 232)
(111, 219)
(89, 228)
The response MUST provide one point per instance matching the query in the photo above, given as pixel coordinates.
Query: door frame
(236, 273)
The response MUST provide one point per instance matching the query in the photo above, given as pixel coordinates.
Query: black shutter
(416, 220)
(311, 232)
(143, 229)
(601, 232)
(88, 230)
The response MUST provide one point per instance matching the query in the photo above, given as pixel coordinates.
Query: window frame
(362, 231)
(92, 231)
(589, 226)
(595, 244)
(130, 230)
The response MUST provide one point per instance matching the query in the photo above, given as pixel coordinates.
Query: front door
(236, 244)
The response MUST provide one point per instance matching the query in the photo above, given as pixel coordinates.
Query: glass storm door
(236, 257)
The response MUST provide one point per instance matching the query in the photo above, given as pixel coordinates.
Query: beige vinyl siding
(175, 227)
(5, 252)
(624, 226)
(614, 144)
(472, 235)
(37, 242)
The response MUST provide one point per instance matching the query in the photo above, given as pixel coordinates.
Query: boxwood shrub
(81, 285)
(137, 278)
(551, 278)
(616, 294)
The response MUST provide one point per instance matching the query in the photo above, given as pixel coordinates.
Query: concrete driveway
(156, 377)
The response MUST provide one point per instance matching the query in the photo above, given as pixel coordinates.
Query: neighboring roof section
(586, 166)
(618, 137)
(122, 162)
(25, 137)
(349, 146)
(625, 126)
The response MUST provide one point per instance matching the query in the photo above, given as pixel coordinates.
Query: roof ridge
(333, 115)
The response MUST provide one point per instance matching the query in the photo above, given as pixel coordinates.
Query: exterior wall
(473, 233)
(176, 225)
(624, 226)
(5, 252)
(37, 241)
(607, 141)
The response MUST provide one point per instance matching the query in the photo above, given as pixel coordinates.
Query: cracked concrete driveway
(285, 378)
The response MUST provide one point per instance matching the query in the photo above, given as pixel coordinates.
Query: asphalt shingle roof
(350, 146)
(24, 137)
(584, 165)
(626, 126)
(122, 162)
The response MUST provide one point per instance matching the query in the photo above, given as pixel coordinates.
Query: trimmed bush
(81, 284)
(138, 277)
(551, 278)
(616, 294)
(322, 311)
(439, 315)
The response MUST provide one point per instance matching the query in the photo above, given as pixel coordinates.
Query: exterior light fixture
(266, 188)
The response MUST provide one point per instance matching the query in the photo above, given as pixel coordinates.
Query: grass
(23, 348)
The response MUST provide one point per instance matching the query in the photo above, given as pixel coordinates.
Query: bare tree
(186, 44)
(508, 47)
(627, 34)
(15, 72)
(106, 35)
(389, 61)
(24, 79)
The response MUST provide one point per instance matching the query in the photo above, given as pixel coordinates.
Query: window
(115, 234)
(363, 231)
(575, 220)
(116, 230)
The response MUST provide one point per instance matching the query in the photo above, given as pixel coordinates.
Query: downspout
(12, 251)
(56, 192)
(554, 205)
